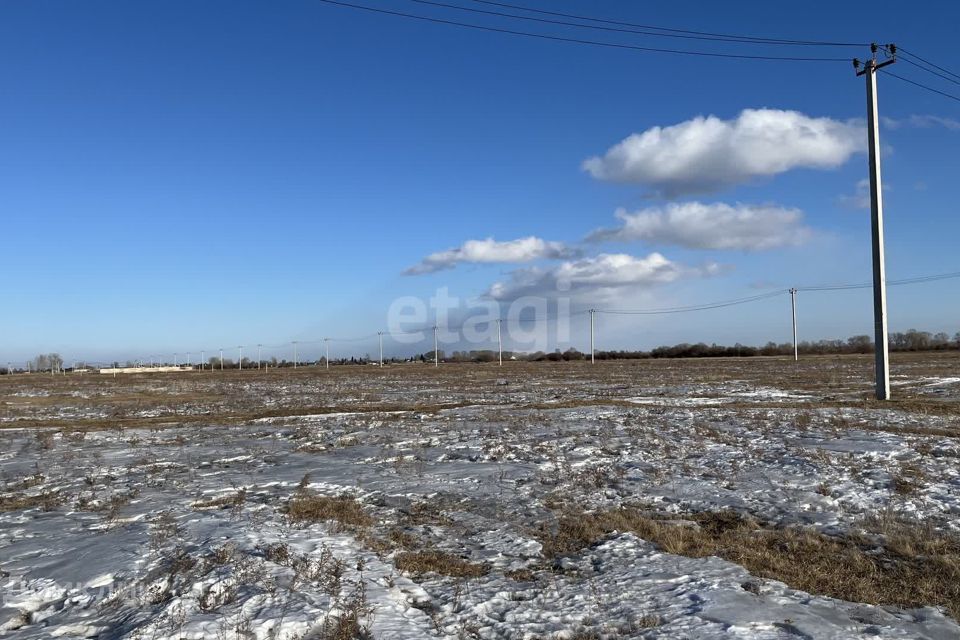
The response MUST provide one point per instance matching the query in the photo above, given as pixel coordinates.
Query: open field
(727, 498)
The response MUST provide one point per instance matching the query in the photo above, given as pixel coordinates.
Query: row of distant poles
(436, 346)
(326, 341)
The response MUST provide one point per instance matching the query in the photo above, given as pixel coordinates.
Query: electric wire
(644, 30)
(598, 43)
(700, 307)
(936, 73)
(910, 54)
(919, 84)
(732, 37)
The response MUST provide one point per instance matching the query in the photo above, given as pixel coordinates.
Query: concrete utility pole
(793, 305)
(436, 353)
(294, 354)
(221, 359)
(882, 363)
(500, 339)
(326, 344)
(240, 361)
(380, 336)
(259, 357)
(201, 361)
(175, 359)
(592, 360)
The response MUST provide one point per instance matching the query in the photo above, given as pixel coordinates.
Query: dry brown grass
(903, 564)
(215, 398)
(306, 507)
(447, 564)
(46, 500)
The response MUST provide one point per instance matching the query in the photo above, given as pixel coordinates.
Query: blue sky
(182, 175)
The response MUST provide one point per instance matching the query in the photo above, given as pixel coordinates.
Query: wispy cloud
(922, 121)
(596, 278)
(718, 225)
(860, 198)
(491, 251)
(707, 154)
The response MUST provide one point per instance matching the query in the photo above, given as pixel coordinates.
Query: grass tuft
(447, 564)
(305, 507)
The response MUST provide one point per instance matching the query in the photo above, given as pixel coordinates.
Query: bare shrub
(163, 528)
(908, 479)
(349, 622)
(277, 552)
(214, 596)
(324, 570)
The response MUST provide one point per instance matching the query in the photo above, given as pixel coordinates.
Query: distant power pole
(294, 354)
(221, 359)
(326, 344)
(175, 359)
(436, 353)
(240, 361)
(380, 336)
(592, 358)
(259, 357)
(500, 340)
(793, 306)
(201, 360)
(882, 365)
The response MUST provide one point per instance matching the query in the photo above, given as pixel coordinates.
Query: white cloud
(491, 251)
(860, 198)
(596, 278)
(922, 122)
(707, 154)
(696, 225)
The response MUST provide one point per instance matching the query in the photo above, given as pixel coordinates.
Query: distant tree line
(911, 340)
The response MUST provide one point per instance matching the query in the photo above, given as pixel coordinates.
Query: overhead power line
(936, 73)
(644, 30)
(705, 34)
(910, 54)
(596, 43)
(921, 85)
(699, 307)
(892, 283)
(773, 294)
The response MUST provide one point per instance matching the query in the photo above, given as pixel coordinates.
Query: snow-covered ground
(157, 507)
